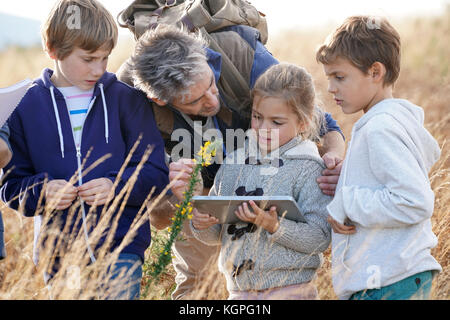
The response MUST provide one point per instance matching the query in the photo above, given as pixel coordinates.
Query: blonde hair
(364, 40)
(295, 86)
(83, 24)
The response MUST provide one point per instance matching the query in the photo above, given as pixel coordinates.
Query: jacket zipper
(80, 176)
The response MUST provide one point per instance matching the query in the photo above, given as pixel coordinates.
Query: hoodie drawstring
(105, 111)
(58, 121)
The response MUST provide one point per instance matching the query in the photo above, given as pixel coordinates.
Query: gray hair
(167, 61)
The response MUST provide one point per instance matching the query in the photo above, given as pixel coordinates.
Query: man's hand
(95, 191)
(181, 171)
(330, 176)
(265, 219)
(202, 221)
(340, 228)
(60, 194)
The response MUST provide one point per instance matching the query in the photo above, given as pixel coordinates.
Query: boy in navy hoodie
(71, 136)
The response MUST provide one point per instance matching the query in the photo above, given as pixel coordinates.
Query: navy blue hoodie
(44, 148)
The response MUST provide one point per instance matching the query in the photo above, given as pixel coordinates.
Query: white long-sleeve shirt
(384, 190)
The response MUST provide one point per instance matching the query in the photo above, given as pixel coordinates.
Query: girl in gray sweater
(266, 256)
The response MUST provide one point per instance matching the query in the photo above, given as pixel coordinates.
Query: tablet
(223, 207)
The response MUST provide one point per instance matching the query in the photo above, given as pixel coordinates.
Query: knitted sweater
(251, 258)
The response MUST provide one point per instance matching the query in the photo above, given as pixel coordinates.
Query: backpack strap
(233, 78)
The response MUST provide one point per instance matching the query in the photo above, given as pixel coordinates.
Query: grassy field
(424, 80)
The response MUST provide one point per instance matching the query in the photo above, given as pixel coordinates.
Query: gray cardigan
(251, 258)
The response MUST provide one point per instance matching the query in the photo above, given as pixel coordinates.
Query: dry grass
(424, 80)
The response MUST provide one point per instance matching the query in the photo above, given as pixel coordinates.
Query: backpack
(211, 15)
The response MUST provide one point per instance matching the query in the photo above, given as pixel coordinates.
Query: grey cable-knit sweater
(251, 258)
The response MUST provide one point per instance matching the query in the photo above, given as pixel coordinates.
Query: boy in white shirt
(381, 212)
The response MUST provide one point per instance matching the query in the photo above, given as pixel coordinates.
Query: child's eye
(256, 116)
(277, 123)
(87, 60)
(339, 78)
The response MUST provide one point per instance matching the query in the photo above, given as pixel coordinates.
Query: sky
(280, 14)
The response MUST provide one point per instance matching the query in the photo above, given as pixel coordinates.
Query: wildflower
(183, 210)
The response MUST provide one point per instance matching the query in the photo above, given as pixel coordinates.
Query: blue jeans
(128, 285)
(417, 286)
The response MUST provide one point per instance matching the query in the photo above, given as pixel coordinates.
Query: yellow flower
(169, 229)
(189, 216)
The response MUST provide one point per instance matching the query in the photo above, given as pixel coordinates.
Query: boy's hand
(202, 221)
(95, 191)
(60, 193)
(265, 219)
(340, 228)
(330, 176)
(184, 168)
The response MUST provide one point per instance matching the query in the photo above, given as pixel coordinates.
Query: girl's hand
(265, 219)
(95, 191)
(60, 194)
(202, 221)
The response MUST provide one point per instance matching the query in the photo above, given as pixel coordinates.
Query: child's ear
(301, 128)
(51, 53)
(377, 71)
